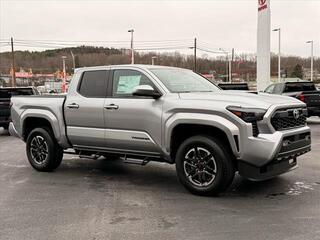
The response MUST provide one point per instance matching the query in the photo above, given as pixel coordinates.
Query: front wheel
(44, 153)
(204, 165)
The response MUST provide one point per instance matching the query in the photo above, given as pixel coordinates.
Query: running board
(136, 161)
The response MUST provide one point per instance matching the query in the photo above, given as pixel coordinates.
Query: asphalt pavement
(104, 199)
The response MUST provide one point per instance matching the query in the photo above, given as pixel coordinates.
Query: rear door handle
(111, 107)
(73, 105)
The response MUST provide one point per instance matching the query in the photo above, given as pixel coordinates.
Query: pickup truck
(234, 86)
(5, 96)
(305, 91)
(143, 113)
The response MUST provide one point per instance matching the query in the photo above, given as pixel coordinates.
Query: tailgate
(312, 99)
(4, 107)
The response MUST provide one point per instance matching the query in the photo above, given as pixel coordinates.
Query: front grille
(286, 118)
(255, 129)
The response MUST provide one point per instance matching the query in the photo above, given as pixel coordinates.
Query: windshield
(181, 80)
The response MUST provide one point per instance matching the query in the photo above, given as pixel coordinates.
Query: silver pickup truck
(143, 113)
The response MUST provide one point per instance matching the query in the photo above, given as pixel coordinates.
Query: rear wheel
(204, 165)
(44, 153)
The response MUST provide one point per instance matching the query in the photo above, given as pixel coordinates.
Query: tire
(43, 152)
(209, 174)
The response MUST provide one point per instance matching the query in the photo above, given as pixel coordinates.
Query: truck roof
(300, 82)
(139, 66)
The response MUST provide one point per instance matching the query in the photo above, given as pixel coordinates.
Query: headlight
(249, 115)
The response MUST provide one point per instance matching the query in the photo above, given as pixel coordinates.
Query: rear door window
(94, 84)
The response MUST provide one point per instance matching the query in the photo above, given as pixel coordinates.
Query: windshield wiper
(193, 91)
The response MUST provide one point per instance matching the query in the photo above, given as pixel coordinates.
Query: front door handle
(73, 105)
(111, 107)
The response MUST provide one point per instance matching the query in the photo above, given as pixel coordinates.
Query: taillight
(301, 97)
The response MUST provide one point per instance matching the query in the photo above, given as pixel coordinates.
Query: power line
(101, 41)
(164, 48)
(210, 51)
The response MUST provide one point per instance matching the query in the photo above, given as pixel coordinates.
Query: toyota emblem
(296, 113)
(262, 2)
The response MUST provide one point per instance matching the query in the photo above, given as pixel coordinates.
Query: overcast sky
(220, 23)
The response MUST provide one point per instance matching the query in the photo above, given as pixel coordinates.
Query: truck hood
(242, 99)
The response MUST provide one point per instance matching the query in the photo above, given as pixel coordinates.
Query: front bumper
(285, 147)
(268, 171)
(13, 131)
(259, 151)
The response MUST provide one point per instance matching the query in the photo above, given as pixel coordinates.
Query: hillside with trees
(49, 61)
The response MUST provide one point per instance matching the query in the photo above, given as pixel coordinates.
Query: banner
(263, 44)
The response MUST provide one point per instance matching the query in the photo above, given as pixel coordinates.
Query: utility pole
(64, 80)
(279, 54)
(228, 65)
(131, 46)
(195, 55)
(13, 80)
(311, 42)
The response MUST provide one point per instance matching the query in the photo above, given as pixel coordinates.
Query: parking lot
(101, 199)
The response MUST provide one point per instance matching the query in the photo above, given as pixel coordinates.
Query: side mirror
(146, 91)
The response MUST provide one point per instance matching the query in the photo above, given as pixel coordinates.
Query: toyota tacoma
(143, 113)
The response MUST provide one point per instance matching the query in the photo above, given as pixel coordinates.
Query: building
(307, 74)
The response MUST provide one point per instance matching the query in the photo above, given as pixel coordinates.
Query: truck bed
(51, 106)
(310, 98)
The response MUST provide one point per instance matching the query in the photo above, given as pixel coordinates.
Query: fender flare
(45, 114)
(223, 124)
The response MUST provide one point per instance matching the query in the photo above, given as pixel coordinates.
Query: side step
(136, 161)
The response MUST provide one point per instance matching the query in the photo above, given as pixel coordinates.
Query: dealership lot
(101, 199)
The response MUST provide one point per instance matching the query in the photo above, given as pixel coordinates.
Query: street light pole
(131, 46)
(228, 64)
(230, 73)
(73, 61)
(195, 55)
(311, 42)
(279, 54)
